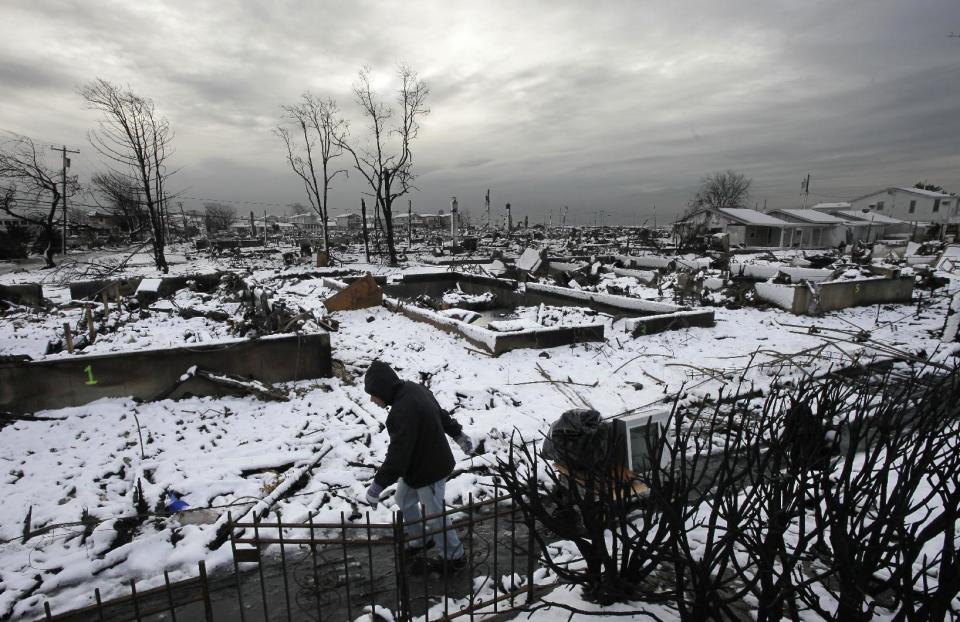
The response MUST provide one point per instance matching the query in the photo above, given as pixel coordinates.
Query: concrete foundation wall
(762, 272)
(834, 295)
(72, 381)
(641, 326)
(26, 294)
(83, 290)
(842, 294)
(507, 292)
(497, 343)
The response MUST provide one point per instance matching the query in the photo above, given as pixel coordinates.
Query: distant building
(348, 221)
(909, 204)
(103, 222)
(303, 219)
(36, 214)
(405, 220)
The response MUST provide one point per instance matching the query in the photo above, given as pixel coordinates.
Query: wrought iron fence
(346, 569)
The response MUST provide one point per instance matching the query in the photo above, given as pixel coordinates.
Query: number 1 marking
(90, 378)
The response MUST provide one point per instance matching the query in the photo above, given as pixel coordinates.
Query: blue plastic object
(175, 503)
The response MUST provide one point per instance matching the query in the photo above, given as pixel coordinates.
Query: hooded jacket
(418, 451)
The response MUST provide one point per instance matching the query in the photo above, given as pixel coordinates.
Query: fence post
(205, 593)
(373, 602)
(283, 565)
(316, 576)
(136, 605)
(96, 596)
(530, 534)
(346, 565)
(263, 587)
(46, 610)
(173, 612)
(446, 582)
(496, 541)
(513, 551)
(236, 569)
(426, 570)
(402, 588)
(470, 543)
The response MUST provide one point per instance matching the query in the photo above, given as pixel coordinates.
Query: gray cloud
(614, 107)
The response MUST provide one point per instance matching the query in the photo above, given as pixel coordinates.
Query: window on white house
(913, 206)
(879, 206)
(936, 205)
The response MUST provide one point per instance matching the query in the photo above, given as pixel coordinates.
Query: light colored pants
(409, 500)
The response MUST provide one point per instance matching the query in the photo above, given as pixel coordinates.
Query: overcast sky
(614, 106)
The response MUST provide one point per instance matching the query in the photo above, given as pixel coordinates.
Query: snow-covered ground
(83, 467)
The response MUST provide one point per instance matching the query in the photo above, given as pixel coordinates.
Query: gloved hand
(373, 494)
(465, 444)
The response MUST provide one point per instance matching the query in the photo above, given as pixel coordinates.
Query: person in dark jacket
(418, 459)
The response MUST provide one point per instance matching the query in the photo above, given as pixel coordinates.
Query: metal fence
(342, 570)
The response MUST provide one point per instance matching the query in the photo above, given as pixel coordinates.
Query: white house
(864, 225)
(909, 204)
(749, 228)
(815, 229)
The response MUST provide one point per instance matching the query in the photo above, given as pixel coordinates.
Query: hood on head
(381, 381)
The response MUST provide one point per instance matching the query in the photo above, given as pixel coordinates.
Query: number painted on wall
(90, 379)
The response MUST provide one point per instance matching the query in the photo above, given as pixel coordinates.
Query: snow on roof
(836, 205)
(752, 217)
(870, 217)
(927, 193)
(917, 191)
(809, 215)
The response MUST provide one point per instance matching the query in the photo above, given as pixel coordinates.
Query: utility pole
(806, 190)
(453, 222)
(486, 204)
(66, 164)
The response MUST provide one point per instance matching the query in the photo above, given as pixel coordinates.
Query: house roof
(810, 215)
(925, 193)
(917, 191)
(837, 205)
(751, 217)
(869, 217)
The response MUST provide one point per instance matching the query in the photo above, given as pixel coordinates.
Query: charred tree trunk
(366, 233)
(388, 217)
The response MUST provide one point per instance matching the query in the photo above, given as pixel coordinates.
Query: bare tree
(218, 217)
(136, 139)
(722, 189)
(32, 192)
(317, 138)
(386, 159)
(121, 199)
